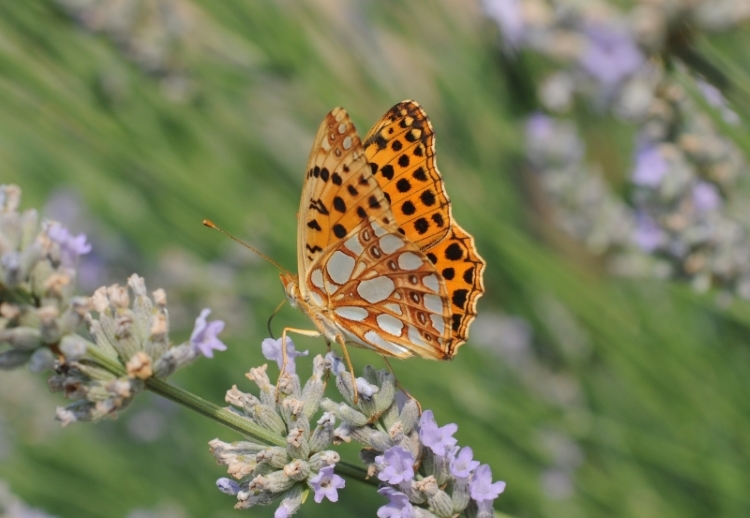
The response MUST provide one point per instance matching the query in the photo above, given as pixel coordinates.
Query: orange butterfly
(382, 264)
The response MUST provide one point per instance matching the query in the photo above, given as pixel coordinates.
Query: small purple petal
(481, 487)
(272, 351)
(507, 14)
(70, 246)
(539, 127)
(326, 485)
(398, 505)
(462, 464)
(204, 337)
(336, 363)
(396, 465)
(439, 439)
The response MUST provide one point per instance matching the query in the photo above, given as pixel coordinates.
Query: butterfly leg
(340, 340)
(401, 388)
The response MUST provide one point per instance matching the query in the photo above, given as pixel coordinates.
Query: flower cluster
(425, 472)
(264, 472)
(601, 52)
(422, 470)
(40, 317)
(161, 37)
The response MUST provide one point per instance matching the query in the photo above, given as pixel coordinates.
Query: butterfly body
(382, 264)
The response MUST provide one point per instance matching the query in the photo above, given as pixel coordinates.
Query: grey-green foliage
(653, 404)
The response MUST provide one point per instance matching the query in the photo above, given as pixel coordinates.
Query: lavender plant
(683, 217)
(106, 349)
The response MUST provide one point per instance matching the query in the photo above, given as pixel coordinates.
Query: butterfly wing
(360, 273)
(402, 144)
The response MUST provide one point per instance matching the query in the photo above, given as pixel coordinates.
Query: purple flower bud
(326, 484)
(272, 351)
(398, 505)
(228, 486)
(439, 439)
(336, 363)
(204, 338)
(481, 488)
(462, 464)
(648, 236)
(396, 465)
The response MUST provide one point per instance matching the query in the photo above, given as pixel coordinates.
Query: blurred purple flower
(204, 337)
(611, 54)
(648, 236)
(439, 439)
(481, 487)
(272, 351)
(398, 505)
(336, 363)
(650, 166)
(285, 509)
(398, 465)
(70, 246)
(538, 127)
(326, 484)
(507, 14)
(706, 197)
(715, 98)
(463, 463)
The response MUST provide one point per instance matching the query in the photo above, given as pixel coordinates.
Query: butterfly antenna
(268, 325)
(211, 224)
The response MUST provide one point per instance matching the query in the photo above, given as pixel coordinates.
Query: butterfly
(382, 264)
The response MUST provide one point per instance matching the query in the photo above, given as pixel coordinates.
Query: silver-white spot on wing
(340, 267)
(438, 323)
(347, 142)
(317, 278)
(390, 243)
(379, 231)
(409, 261)
(394, 349)
(356, 313)
(354, 245)
(377, 289)
(316, 300)
(432, 283)
(342, 128)
(433, 303)
(390, 324)
(395, 308)
(415, 337)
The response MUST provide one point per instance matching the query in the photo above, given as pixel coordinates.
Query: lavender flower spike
(439, 439)
(398, 505)
(272, 351)
(398, 465)
(204, 338)
(326, 484)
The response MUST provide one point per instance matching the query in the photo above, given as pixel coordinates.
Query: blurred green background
(588, 395)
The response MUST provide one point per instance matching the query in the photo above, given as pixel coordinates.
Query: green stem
(215, 412)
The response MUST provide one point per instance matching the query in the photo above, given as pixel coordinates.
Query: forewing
(339, 192)
(401, 147)
(461, 268)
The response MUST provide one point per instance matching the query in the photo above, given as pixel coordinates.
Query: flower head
(482, 489)
(397, 465)
(272, 351)
(326, 484)
(650, 166)
(439, 439)
(706, 197)
(611, 55)
(204, 337)
(463, 463)
(398, 505)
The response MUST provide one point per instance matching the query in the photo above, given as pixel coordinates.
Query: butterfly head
(291, 288)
